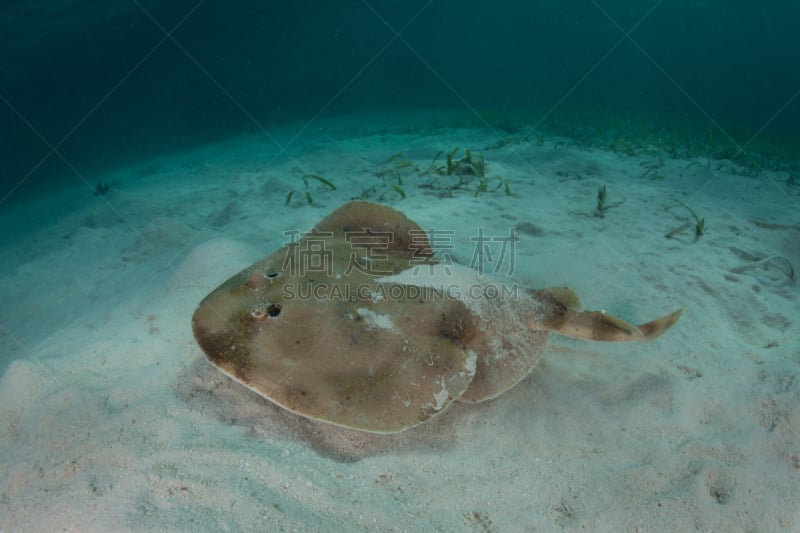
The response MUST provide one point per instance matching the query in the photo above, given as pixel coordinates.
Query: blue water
(89, 86)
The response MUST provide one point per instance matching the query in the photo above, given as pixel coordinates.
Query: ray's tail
(565, 317)
(600, 326)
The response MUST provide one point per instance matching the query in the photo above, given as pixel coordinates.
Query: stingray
(357, 323)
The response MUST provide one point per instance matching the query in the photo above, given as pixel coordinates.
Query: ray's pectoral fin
(564, 317)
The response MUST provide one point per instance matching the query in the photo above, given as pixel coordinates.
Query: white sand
(112, 419)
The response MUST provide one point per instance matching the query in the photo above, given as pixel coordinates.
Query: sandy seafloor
(112, 419)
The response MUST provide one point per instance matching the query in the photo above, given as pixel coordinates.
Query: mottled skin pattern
(380, 348)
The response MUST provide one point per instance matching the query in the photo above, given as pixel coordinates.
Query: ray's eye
(258, 312)
(273, 275)
(274, 310)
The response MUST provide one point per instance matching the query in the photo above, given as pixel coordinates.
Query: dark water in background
(102, 82)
